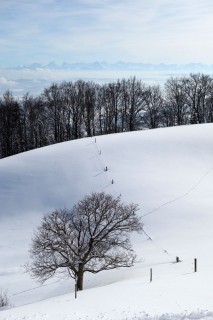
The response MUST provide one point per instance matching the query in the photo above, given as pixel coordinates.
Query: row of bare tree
(72, 110)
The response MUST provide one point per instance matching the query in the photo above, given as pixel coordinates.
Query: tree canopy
(91, 237)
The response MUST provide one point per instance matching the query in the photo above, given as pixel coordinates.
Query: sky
(151, 31)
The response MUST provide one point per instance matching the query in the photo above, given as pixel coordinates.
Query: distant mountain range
(120, 65)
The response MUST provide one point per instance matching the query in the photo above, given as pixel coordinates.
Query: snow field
(168, 172)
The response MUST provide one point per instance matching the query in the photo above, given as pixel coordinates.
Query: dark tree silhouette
(91, 237)
(73, 110)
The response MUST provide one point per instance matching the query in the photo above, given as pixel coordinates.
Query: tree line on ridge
(72, 110)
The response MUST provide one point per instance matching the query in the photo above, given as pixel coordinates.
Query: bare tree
(153, 107)
(4, 300)
(35, 123)
(133, 103)
(176, 101)
(111, 102)
(89, 108)
(91, 237)
(10, 126)
(198, 89)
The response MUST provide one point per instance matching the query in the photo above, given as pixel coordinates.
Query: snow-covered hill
(168, 172)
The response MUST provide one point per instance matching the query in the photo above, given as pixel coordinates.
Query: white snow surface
(168, 172)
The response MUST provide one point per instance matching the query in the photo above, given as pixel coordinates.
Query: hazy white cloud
(6, 82)
(87, 30)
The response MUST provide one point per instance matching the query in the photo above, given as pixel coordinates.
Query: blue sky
(152, 31)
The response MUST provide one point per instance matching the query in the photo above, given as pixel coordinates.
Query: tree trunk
(80, 276)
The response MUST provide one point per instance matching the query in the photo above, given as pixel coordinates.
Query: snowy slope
(168, 172)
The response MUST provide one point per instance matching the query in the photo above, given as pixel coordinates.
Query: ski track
(180, 197)
(172, 201)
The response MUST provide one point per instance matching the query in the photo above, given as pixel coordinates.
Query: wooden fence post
(75, 290)
(151, 275)
(195, 265)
